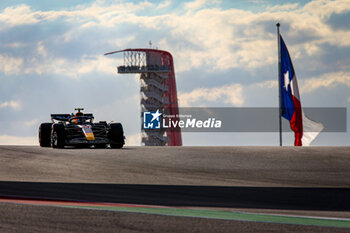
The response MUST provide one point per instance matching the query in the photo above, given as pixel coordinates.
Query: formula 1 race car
(79, 130)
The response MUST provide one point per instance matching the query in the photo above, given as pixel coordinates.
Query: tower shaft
(157, 90)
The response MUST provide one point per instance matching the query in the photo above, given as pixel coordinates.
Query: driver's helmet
(78, 118)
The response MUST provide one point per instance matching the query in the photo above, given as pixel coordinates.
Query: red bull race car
(79, 130)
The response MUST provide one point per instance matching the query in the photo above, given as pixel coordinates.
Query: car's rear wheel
(45, 134)
(116, 135)
(58, 136)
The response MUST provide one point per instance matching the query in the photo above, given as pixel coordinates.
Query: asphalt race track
(183, 189)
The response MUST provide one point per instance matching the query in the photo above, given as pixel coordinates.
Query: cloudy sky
(225, 52)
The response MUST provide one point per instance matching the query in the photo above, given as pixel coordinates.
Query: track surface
(311, 181)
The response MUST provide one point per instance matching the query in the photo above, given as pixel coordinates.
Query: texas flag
(305, 130)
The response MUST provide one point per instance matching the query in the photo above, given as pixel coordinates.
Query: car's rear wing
(67, 117)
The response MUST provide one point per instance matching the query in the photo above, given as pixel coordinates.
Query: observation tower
(157, 89)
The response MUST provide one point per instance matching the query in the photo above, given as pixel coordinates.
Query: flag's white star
(156, 115)
(286, 80)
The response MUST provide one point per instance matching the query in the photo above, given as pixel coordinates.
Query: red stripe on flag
(296, 123)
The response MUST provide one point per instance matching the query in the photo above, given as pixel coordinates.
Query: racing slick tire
(58, 136)
(116, 135)
(45, 134)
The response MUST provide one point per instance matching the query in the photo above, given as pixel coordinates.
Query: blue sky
(51, 60)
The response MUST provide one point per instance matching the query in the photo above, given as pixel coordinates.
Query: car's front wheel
(45, 134)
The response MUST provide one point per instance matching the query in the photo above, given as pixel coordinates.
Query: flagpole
(279, 80)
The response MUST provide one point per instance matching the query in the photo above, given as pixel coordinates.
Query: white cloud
(312, 49)
(98, 63)
(17, 15)
(214, 38)
(70, 68)
(10, 65)
(284, 7)
(164, 4)
(267, 84)
(238, 39)
(41, 50)
(13, 140)
(231, 94)
(11, 104)
(121, 42)
(195, 4)
(24, 15)
(33, 122)
(14, 45)
(329, 80)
